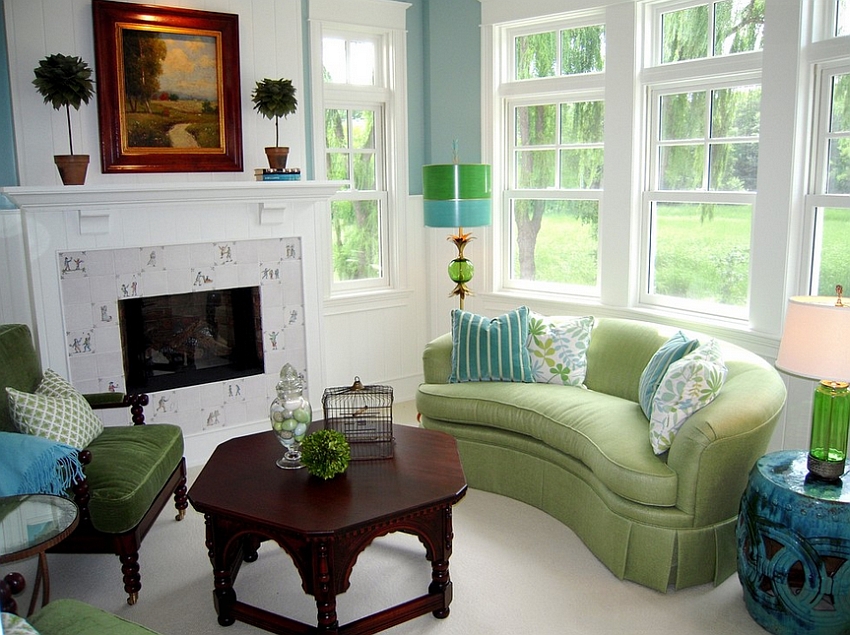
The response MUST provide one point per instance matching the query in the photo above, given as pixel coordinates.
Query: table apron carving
(325, 564)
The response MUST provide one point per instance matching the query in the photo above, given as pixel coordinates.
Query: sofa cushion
(619, 351)
(689, 384)
(130, 465)
(558, 348)
(606, 433)
(485, 349)
(55, 411)
(671, 351)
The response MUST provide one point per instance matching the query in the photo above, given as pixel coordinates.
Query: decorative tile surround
(93, 281)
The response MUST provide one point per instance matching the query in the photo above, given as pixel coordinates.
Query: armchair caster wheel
(180, 515)
(132, 598)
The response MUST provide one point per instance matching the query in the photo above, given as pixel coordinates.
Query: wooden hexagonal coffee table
(324, 525)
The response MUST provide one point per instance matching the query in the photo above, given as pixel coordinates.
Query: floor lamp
(816, 344)
(457, 195)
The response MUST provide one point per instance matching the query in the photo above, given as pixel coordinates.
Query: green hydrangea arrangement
(325, 453)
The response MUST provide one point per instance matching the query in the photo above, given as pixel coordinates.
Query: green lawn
(695, 258)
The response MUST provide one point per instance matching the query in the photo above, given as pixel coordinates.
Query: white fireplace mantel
(168, 193)
(54, 220)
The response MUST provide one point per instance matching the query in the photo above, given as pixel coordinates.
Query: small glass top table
(29, 525)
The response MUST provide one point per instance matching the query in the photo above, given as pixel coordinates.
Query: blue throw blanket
(35, 465)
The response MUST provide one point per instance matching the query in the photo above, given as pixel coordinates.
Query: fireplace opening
(195, 338)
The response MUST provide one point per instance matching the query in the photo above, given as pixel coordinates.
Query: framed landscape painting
(167, 89)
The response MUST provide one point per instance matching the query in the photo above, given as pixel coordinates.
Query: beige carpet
(515, 570)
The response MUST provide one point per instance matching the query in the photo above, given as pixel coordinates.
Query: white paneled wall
(270, 45)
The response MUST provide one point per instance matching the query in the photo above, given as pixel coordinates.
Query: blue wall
(8, 164)
(452, 80)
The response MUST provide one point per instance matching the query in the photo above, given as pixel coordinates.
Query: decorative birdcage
(364, 414)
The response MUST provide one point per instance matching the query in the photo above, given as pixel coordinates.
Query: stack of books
(277, 174)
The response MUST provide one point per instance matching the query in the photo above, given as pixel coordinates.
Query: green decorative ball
(461, 270)
(325, 453)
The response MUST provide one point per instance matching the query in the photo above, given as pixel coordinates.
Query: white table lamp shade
(816, 340)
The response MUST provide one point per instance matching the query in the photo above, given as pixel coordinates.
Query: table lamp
(816, 345)
(457, 195)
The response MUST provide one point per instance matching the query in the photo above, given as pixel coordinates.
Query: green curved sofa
(584, 456)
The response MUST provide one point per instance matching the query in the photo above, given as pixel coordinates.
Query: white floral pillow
(558, 348)
(15, 625)
(56, 411)
(689, 384)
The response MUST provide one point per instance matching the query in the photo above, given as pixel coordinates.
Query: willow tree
(568, 52)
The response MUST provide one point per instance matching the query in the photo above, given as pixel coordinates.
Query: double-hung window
(828, 200)
(358, 124)
(701, 79)
(554, 111)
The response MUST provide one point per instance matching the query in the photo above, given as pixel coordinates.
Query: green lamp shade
(456, 194)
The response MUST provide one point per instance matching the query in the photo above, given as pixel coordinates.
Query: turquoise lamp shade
(457, 195)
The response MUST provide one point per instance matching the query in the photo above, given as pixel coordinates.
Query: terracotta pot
(72, 168)
(277, 156)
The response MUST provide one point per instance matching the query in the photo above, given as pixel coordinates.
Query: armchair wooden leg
(181, 499)
(132, 579)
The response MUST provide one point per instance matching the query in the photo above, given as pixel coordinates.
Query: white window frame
(513, 93)
(703, 74)
(382, 22)
(828, 57)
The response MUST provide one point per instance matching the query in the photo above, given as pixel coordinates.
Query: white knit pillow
(56, 411)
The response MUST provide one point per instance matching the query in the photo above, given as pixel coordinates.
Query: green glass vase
(830, 426)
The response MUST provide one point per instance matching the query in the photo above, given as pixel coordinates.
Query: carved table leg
(224, 597)
(324, 592)
(250, 547)
(441, 584)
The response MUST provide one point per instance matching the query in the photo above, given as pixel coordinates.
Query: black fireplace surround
(173, 341)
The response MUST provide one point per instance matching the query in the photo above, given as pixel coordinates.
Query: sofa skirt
(657, 547)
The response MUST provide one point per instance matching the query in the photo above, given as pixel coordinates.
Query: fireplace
(202, 328)
(187, 339)
(79, 253)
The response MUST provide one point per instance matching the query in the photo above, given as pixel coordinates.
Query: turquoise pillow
(485, 349)
(671, 351)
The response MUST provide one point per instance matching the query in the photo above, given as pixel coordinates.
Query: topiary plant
(273, 99)
(64, 80)
(325, 453)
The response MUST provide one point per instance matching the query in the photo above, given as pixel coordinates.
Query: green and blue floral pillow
(558, 348)
(689, 384)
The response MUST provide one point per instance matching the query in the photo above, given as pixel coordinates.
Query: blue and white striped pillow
(485, 349)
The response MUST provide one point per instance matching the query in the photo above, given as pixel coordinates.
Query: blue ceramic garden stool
(794, 548)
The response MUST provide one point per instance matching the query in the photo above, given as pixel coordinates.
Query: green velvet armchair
(130, 472)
